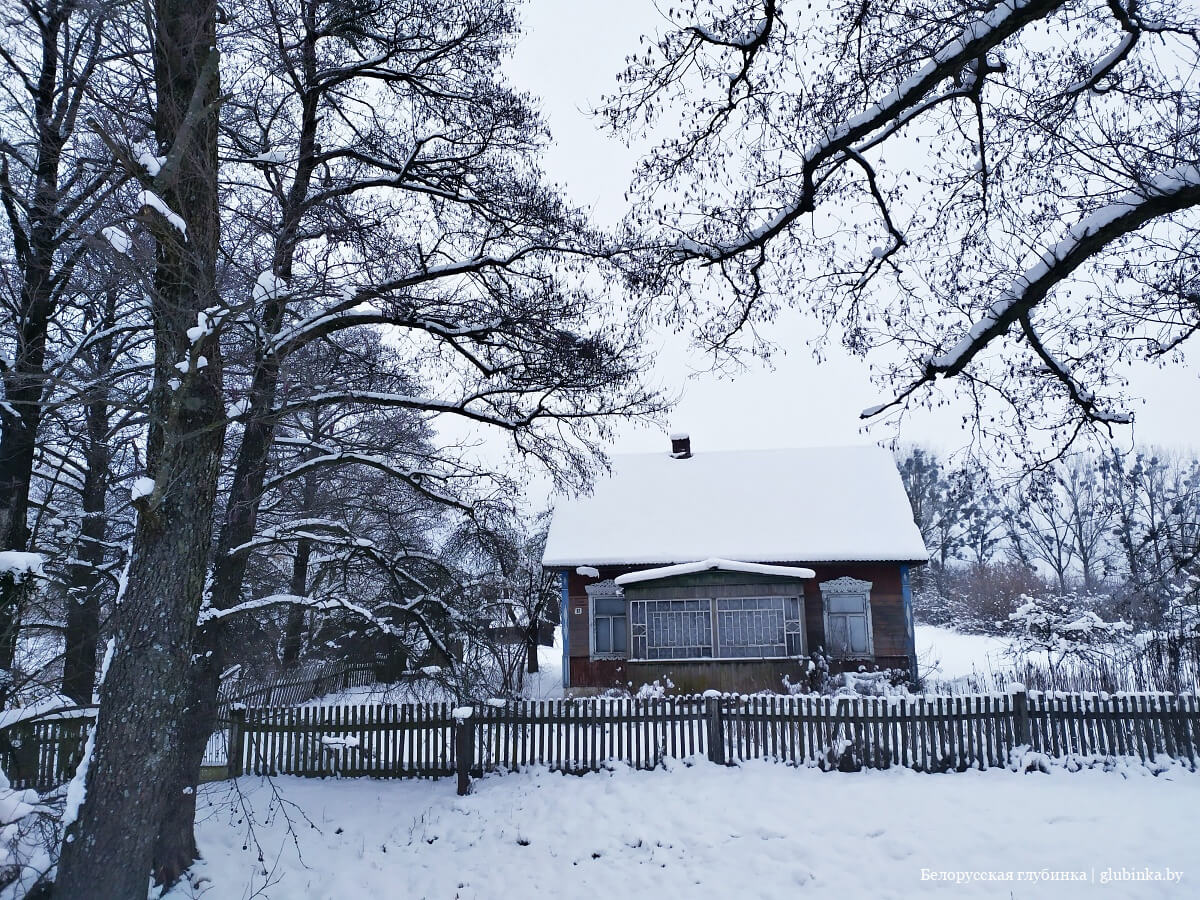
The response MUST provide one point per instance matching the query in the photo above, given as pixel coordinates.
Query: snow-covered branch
(1164, 195)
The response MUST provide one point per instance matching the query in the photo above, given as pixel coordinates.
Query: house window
(609, 627)
(610, 623)
(745, 628)
(672, 629)
(847, 604)
(758, 626)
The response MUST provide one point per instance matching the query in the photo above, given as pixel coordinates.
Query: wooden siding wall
(888, 626)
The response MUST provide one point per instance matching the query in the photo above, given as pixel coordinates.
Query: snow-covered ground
(541, 685)
(547, 681)
(758, 831)
(945, 654)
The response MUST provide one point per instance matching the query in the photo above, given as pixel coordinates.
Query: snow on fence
(930, 734)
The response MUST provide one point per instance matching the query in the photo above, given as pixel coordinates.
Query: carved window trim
(846, 587)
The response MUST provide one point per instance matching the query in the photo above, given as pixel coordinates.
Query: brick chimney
(681, 446)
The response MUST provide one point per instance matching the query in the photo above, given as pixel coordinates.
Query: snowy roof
(708, 565)
(826, 504)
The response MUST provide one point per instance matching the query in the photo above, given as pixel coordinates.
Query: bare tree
(421, 212)
(50, 187)
(1081, 484)
(110, 834)
(1001, 192)
(1153, 499)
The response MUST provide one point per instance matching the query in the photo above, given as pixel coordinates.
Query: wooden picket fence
(297, 687)
(929, 734)
(42, 753)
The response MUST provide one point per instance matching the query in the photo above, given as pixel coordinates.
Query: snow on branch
(418, 479)
(410, 401)
(1168, 193)
(209, 614)
(746, 42)
(151, 200)
(978, 37)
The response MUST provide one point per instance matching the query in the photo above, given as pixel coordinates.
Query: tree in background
(1116, 528)
(51, 186)
(1153, 505)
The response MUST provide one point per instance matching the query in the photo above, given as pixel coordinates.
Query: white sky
(569, 57)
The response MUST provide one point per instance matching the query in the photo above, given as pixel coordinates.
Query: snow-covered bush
(1063, 627)
(30, 833)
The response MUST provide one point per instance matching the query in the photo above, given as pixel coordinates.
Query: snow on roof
(722, 565)
(827, 504)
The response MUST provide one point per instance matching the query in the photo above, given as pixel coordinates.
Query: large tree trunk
(176, 848)
(108, 851)
(83, 577)
(293, 636)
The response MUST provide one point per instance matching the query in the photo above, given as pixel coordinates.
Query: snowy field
(945, 654)
(758, 831)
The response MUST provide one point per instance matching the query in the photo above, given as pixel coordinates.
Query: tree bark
(83, 578)
(108, 850)
(294, 630)
(176, 848)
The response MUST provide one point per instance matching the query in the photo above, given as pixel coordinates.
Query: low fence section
(385, 741)
(929, 734)
(298, 687)
(42, 753)
(432, 740)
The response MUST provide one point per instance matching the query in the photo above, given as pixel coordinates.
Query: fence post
(234, 754)
(716, 728)
(1020, 699)
(345, 678)
(464, 744)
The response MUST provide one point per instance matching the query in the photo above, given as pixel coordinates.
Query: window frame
(713, 618)
(848, 587)
(606, 590)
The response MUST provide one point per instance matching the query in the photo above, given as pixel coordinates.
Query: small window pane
(618, 634)
(838, 643)
(610, 606)
(857, 626)
(603, 644)
(847, 603)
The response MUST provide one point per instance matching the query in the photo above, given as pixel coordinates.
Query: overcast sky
(568, 57)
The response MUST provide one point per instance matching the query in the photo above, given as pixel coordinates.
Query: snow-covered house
(728, 569)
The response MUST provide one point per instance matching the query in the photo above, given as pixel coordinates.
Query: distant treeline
(1117, 533)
